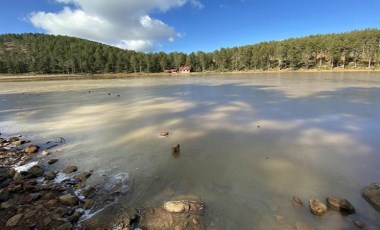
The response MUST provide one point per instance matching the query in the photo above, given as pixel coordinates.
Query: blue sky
(187, 25)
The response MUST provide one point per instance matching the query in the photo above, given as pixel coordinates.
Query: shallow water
(249, 143)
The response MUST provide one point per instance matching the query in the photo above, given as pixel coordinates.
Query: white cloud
(124, 23)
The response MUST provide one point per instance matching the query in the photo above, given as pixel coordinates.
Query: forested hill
(45, 54)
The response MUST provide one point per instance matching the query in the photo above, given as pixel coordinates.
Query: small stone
(60, 212)
(358, 223)
(76, 216)
(35, 171)
(30, 214)
(52, 161)
(47, 221)
(48, 196)
(4, 194)
(70, 169)
(6, 204)
(88, 204)
(297, 201)
(13, 221)
(340, 205)
(317, 207)
(13, 139)
(68, 200)
(176, 206)
(80, 185)
(89, 191)
(164, 133)
(50, 175)
(372, 195)
(82, 176)
(45, 153)
(32, 149)
(17, 143)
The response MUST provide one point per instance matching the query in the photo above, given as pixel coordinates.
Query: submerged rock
(50, 175)
(70, 169)
(358, 223)
(88, 204)
(82, 176)
(372, 195)
(340, 205)
(317, 207)
(297, 201)
(52, 161)
(303, 226)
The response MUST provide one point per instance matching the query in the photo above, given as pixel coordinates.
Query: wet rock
(76, 216)
(50, 175)
(60, 212)
(32, 197)
(32, 149)
(49, 196)
(52, 161)
(372, 195)
(89, 191)
(65, 226)
(18, 176)
(176, 148)
(47, 221)
(304, 226)
(30, 213)
(45, 153)
(164, 133)
(358, 224)
(68, 200)
(4, 194)
(82, 176)
(12, 172)
(4, 174)
(80, 185)
(297, 201)
(14, 220)
(340, 205)
(88, 204)
(176, 206)
(317, 207)
(70, 169)
(7, 204)
(35, 171)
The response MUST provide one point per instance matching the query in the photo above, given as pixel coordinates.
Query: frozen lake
(249, 143)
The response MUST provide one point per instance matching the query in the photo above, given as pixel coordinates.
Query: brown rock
(13, 221)
(6, 204)
(372, 195)
(70, 169)
(317, 207)
(89, 191)
(45, 153)
(68, 200)
(164, 133)
(340, 205)
(82, 176)
(32, 149)
(47, 221)
(80, 185)
(32, 197)
(52, 161)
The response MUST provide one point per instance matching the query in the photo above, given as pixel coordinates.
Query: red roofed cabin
(184, 69)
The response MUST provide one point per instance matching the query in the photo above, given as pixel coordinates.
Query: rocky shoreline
(33, 196)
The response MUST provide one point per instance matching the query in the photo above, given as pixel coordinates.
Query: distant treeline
(49, 54)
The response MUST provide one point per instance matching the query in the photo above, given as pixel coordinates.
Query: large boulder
(372, 195)
(340, 205)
